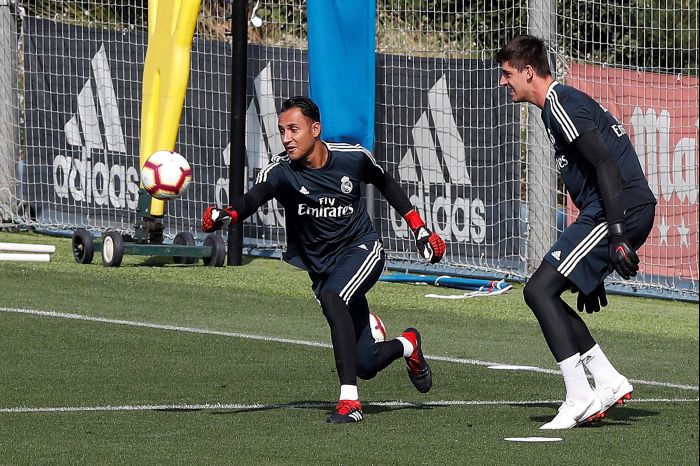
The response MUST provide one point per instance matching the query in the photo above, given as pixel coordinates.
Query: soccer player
(330, 235)
(602, 174)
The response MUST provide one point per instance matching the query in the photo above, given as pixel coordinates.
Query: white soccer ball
(165, 175)
(377, 327)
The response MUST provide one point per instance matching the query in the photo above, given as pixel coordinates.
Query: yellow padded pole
(166, 71)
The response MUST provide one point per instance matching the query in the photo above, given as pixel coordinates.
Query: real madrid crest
(345, 185)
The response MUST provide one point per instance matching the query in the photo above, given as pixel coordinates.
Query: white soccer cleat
(575, 413)
(617, 395)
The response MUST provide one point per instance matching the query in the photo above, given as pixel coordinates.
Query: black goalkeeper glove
(592, 302)
(622, 257)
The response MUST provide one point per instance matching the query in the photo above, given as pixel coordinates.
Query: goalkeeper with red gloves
(330, 235)
(601, 172)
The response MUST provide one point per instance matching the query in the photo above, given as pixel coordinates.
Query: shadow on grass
(162, 261)
(368, 408)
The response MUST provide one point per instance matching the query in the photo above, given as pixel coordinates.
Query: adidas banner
(445, 132)
(82, 124)
(451, 137)
(80, 130)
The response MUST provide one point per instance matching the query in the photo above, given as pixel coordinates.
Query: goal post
(9, 121)
(541, 173)
(237, 129)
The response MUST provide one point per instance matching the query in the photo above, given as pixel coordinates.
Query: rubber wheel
(83, 246)
(112, 249)
(218, 251)
(184, 238)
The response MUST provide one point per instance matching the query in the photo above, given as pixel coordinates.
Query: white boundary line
(471, 362)
(258, 406)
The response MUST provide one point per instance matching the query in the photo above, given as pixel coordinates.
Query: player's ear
(316, 129)
(529, 72)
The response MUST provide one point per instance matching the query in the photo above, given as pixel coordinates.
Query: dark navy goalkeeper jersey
(569, 113)
(324, 209)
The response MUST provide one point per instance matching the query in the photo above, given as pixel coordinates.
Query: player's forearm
(593, 149)
(394, 194)
(610, 184)
(248, 203)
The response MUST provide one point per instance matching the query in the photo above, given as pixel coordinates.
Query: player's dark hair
(307, 107)
(526, 50)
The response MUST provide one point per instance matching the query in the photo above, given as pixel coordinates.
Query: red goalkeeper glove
(429, 244)
(215, 218)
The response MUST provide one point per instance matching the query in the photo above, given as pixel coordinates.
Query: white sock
(575, 381)
(604, 374)
(348, 392)
(407, 346)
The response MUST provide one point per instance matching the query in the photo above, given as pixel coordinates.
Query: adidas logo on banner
(262, 142)
(451, 215)
(93, 178)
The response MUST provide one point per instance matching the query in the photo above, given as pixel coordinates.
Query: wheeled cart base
(114, 246)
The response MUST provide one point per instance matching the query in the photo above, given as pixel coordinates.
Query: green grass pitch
(172, 364)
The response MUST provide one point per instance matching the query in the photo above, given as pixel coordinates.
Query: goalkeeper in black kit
(330, 235)
(601, 173)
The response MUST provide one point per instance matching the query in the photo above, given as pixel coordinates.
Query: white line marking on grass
(533, 439)
(175, 328)
(508, 367)
(266, 406)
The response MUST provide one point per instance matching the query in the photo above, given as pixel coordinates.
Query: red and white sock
(407, 346)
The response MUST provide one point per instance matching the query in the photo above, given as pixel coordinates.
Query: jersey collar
(550, 89)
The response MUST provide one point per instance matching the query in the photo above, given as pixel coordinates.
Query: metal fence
(479, 168)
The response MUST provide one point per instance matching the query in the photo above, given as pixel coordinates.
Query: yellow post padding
(166, 71)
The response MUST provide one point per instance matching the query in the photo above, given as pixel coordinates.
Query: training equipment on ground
(113, 246)
(377, 327)
(460, 283)
(346, 411)
(20, 252)
(418, 370)
(165, 175)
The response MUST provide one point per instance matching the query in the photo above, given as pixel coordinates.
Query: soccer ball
(377, 327)
(165, 175)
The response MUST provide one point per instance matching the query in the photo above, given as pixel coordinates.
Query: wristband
(616, 229)
(413, 219)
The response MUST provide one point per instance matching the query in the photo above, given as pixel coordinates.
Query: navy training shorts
(581, 252)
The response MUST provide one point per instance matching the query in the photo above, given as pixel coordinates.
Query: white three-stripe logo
(589, 242)
(562, 117)
(362, 274)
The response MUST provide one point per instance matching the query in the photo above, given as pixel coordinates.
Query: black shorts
(581, 252)
(356, 271)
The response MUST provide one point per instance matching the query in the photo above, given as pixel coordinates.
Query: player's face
(517, 82)
(298, 132)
